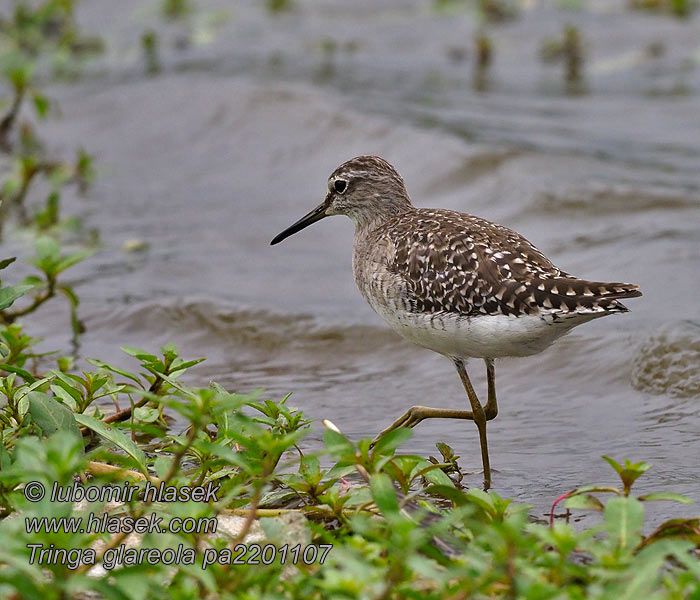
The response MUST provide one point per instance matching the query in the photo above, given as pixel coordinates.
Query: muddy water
(235, 138)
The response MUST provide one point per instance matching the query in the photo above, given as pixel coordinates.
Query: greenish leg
(416, 414)
(479, 416)
(491, 408)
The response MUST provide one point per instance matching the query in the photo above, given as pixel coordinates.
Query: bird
(455, 283)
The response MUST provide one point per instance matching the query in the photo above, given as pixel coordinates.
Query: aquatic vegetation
(149, 46)
(679, 8)
(494, 11)
(175, 9)
(498, 10)
(47, 30)
(50, 262)
(278, 6)
(482, 60)
(31, 37)
(568, 50)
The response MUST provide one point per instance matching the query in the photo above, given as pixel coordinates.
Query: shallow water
(235, 138)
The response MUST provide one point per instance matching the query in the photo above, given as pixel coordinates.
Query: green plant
(33, 34)
(679, 8)
(175, 9)
(568, 49)
(278, 6)
(51, 263)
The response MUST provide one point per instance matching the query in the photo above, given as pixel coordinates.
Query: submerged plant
(483, 59)
(149, 46)
(679, 8)
(278, 6)
(175, 9)
(568, 50)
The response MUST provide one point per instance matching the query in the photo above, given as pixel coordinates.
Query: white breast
(483, 336)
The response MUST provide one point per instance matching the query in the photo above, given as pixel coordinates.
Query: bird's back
(445, 265)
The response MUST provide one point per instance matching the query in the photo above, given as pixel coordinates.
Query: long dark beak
(315, 215)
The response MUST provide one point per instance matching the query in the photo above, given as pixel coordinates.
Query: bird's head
(366, 188)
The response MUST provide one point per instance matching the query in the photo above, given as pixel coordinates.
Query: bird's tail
(580, 295)
(569, 295)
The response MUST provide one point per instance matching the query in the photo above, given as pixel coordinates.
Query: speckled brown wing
(462, 264)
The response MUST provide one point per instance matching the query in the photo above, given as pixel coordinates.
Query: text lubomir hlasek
(126, 492)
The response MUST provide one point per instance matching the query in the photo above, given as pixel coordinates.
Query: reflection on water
(209, 160)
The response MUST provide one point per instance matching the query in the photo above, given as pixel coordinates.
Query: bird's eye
(340, 185)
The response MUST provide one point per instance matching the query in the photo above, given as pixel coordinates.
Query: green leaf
(435, 475)
(338, 471)
(337, 444)
(26, 375)
(456, 496)
(116, 437)
(62, 389)
(613, 463)
(33, 281)
(117, 370)
(5, 459)
(392, 440)
(32, 386)
(72, 381)
(146, 414)
(629, 473)
(603, 489)
(69, 261)
(583, 502)
(448, 454)
(170, 352)
(6, 262)
(179, 366)
(666, 496)
(676, 528)
(47, 251)
(482, 500)
(10, 293)
(661, 549)
(384, 494)
(64, 363)
(22, 407)
(50, 415)
(41, 104)
(162, 465)
(624, 518)
(140, 354)
(65, 396)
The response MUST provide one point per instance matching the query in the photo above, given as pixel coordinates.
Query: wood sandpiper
(455, 283)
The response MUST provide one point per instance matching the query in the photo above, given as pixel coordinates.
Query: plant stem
(9, 119)
(9, 318)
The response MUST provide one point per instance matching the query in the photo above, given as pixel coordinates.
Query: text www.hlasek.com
(108, 524)
(145, 524)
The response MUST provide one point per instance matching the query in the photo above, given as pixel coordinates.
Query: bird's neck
(377, 211)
